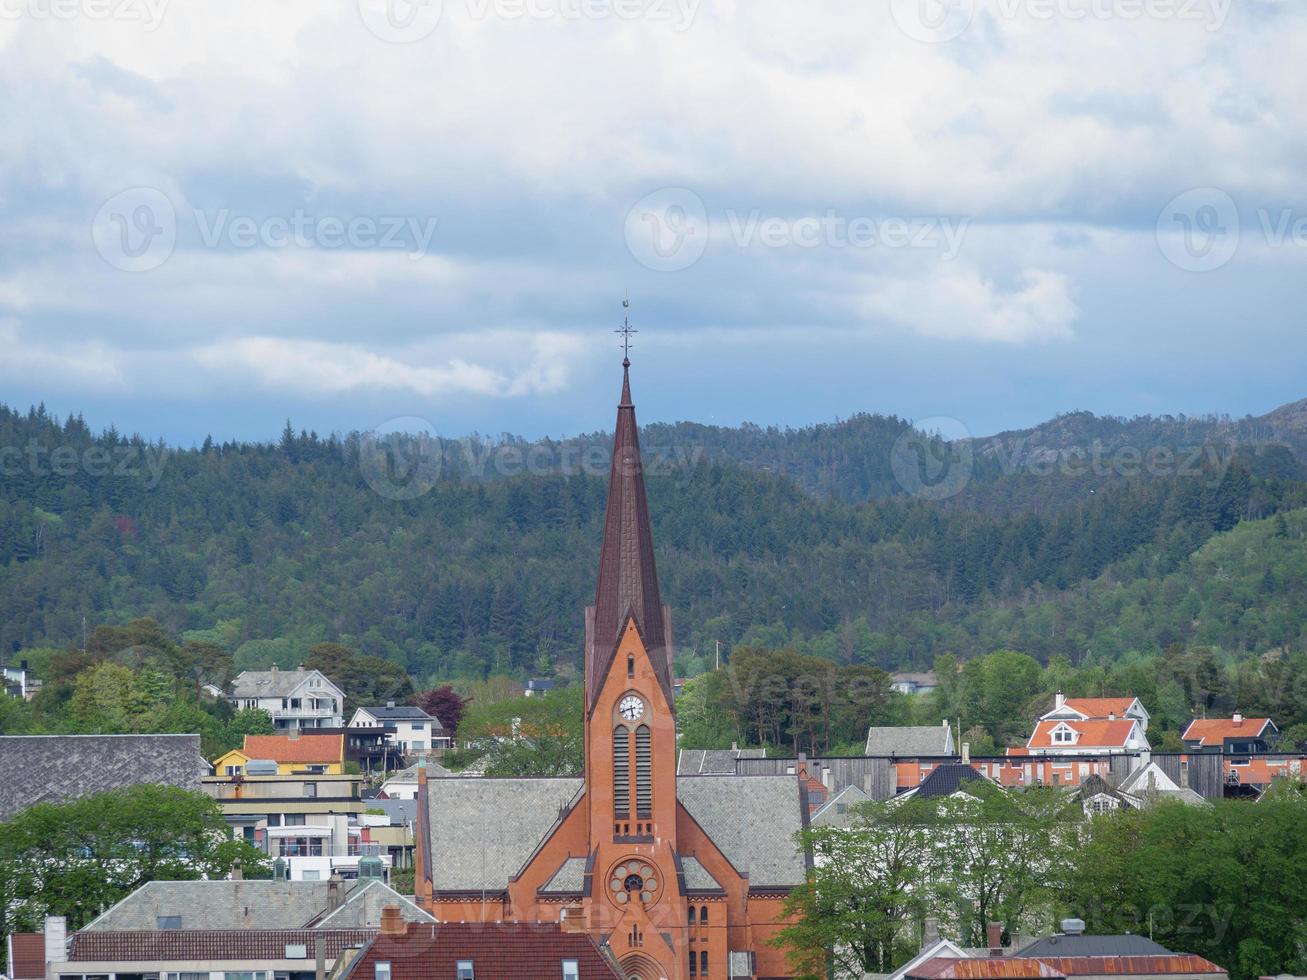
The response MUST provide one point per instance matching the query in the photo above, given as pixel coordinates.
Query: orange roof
(306, 748)
(1214, 731)
(1100, 707)
(1093, 734)
(1146, 966)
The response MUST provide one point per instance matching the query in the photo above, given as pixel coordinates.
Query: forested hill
(267, 549)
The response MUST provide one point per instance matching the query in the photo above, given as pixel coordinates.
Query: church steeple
(628, 576)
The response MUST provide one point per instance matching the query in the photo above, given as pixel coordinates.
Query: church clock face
(630, 708)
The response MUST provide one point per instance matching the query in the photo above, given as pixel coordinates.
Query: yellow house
(317, 754)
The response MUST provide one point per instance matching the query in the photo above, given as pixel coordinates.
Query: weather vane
(626, 330)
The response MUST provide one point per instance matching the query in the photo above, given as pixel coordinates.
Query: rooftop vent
(1073, 927)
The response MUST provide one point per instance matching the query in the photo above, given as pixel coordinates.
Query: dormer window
(1064, 735)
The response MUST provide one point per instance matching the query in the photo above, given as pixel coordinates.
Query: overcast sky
(220, 213)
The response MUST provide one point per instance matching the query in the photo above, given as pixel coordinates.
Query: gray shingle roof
(484, 830)
(49, 768)
(717, 762)
(946, 780)
(697, 877)
(835, 812)
(752, 820)
(1127, 945)
(269, 683)
(911, 740)
(218, 905)
(402, 712)
(568, 879)
(362, 908)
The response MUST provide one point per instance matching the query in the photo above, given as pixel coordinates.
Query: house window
(630, 665)
(310, 790)
(187, 976)
(170, 922)
(381, 970)
(463, 971)
(571, 970)
(1063, 736)
(233, 770)
(418, 726)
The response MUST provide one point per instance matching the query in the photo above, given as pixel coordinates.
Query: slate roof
(718, 762)
(27, 956)
(697, 877)
(271, 683)
(908, 740)
(1081, 945)
(362, 908)
(209, 944)
(305, 748)
(248, 904)
(569, 879)
(498, 951)
(830, 814)
(50, 768)
(946, 780)
(483, 830)
(752, 820)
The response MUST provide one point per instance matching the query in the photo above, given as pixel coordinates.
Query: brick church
(679, 876)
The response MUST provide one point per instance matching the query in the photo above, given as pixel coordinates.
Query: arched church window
(630, 665)
(621, 772)
(703, 915)
(643, 772)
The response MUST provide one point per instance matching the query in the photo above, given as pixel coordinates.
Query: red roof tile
(306, 748)
(1100, 707)
(1214, 731)
(28, 952)
(498, 951)
(208, 944)
(1093, 734)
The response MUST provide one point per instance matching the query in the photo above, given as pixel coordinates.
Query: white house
(296, 698)
(410, 730)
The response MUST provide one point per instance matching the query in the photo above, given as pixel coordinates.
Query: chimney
(1059, 700)
(335, 893)
(929, 933)
(735, 746)
(390, 703)
(1014, 935)
(274, 669)
(994, 933)
(1238, 719)
(573, 919)
(1111, 716)
(392, 924)
(237, 870)
(56, 939)
(320, 956)
(966, 753)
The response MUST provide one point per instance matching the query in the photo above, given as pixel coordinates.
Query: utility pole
(719, 653)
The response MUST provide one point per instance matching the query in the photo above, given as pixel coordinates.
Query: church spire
(628, 577)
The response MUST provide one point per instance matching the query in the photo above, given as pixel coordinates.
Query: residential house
(51, 768)
(1090, 726)
(403, 785)
(911, 741)
(1236, 735)
(910, 683)
(314, 823)
(839, 810)
(318, 755)
(1142, 788)
(297, 698)
(19, 682)
(950, 779)
(409, 730)
(220, 930)
(25, 954)
(538, 685)
(481, 951)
